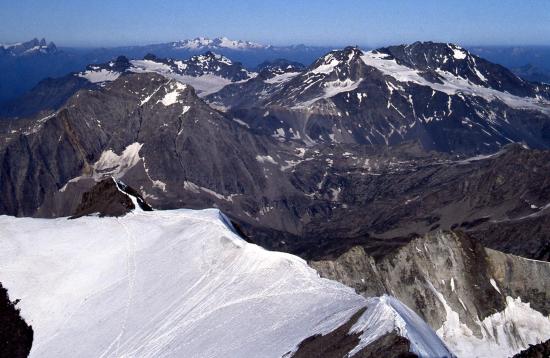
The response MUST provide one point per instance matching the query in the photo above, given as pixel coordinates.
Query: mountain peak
(210, 59)
(29, 47)
(428, 51)
(202, 43)
(337, 59)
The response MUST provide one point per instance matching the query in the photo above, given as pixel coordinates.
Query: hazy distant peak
(203, 43)
(29, 47)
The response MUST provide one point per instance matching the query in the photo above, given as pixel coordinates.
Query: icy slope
(176, 283)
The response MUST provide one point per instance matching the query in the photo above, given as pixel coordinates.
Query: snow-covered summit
(33, 46)
(178, 283)
(207, 72)
(205, 43)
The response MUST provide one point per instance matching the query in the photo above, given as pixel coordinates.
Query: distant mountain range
(23, 65)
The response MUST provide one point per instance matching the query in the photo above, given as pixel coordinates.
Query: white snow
(238, 44)
(458, 53)
(335, 87)
(241, 122)
(172, 284)
(149, 66)
(204, 42)
(283, 77)
(480, 157)
(494, 284)
(97, 76)
(172, 96)
(194, 43)
(386, 314)
(189, 185)
(331, 89)
(112, 164)
(279, 133)
(204, 85)
(503, 334)
(452, 84)
(265, 158)
(327, 66)
(137, 208)
(116, 166)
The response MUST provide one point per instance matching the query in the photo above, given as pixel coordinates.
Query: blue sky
(319, 22)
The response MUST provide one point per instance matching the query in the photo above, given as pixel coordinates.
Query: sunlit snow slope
(177, 284)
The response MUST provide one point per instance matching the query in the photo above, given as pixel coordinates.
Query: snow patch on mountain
(504, 333)
(172, 96)
(116, 165)
(99, 75)
(150, 66)
(204, 84)
(282, 78)
(452, 84)
(189, 185)
(167, 283)
(335, 87)
(266, 159)
(327, 66)
(458, 53)
(112, 164)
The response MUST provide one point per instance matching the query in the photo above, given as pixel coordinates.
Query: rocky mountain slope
(167, 283)
(157, 135)
(439, 94)
(481, 302)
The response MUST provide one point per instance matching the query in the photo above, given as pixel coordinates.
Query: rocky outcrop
(340, 342)
(15, 334)
(541, 350)
(110, 197)
(333, 344)
(457, 286)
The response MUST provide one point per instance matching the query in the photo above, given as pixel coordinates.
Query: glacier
(178, 283)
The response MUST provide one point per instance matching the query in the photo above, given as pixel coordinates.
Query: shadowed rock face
(333, 344)
(339, 343)
(541, 350)
(109, 198)
(15, 334)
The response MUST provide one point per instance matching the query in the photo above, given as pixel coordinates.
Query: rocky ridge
(480, 301)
